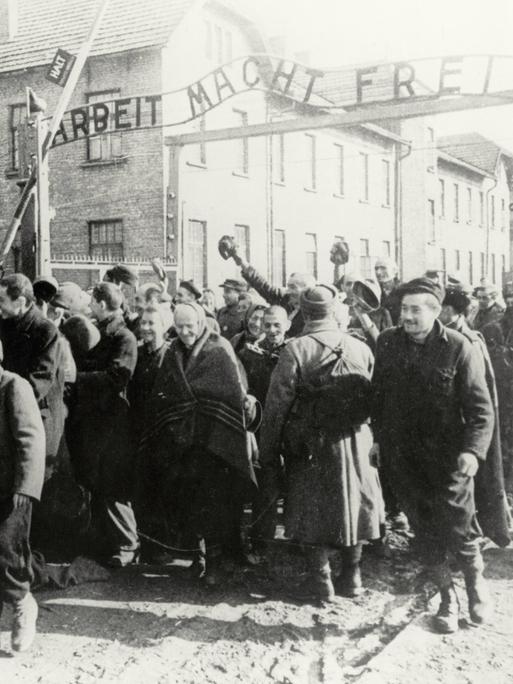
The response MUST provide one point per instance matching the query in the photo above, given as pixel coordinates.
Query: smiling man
(433, 421)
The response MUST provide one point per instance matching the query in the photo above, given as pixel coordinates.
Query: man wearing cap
(386, 274)
(288, 299)
(188, 292)
(333, 498)
(490, 311)
(230, 317)
(433, 421)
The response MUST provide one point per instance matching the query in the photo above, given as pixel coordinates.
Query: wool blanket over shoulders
(198, 401)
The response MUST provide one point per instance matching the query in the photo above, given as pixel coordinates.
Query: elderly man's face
(382, 273)
(418, 314)
(485, 299)
(295, 286)
(187, 325)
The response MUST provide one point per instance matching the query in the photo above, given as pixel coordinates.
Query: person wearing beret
(230, 317)
(433, 421)
(333, 500)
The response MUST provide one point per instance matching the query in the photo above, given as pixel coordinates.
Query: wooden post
(43, 256)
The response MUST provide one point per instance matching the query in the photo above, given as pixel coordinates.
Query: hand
(375, 456)
(20, 500)
(467, 464)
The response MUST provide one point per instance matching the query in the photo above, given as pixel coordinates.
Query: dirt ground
(156, 625)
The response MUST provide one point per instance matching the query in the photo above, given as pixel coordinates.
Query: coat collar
(23, 323)
(111, 324)
(325, 325)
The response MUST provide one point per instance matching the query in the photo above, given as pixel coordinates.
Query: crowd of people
(151, 421)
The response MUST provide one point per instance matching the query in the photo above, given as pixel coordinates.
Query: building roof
(474, 149)
(45, 25)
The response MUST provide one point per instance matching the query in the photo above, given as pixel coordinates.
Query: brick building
(125, 196)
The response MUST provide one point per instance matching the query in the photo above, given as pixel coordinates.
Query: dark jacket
(391, 300)
(490, 494)
(259, 359)
(99, 426)
(274, 295)
(33, 349)
(230, 321)
(22, 439)
(432, 398)
(491, 315)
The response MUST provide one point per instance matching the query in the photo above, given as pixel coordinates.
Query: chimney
(8, 20)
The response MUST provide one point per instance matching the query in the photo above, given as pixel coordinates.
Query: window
(279, 258)
(365, 260)
(279, 158)
(494, 272)
(385, 165)
(312, 161)
(483, 264)
(106, 239)
(195, 251)
(441, 187)
(386, 248)
(339, 161)
(492, 212)
(481, 209)
(208, 40)
(431, 220)
(242, 163)
(469, 205)
(242, 239)
(364, 169)
(311, 254)
(470, 268)
(443, 258)
(17, 114)
(456, 202)
(107, 146)
(457, 259)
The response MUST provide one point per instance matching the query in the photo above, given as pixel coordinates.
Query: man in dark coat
(490, 311)
(22, 464)
(386, 275)
(288, 299)
(433, 422)
(231, 317)
(99, 427)
(32, 349)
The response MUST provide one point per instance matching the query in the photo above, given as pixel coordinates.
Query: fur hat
(81, 334)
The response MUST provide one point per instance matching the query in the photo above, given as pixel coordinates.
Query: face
(152, 329)
(139, 303)
(509, 301)
(275, 328)
(244, 302)
(417, 315)
(230, 296)
(10, 308)
(485, 299)
(183, 296)
(382, 273)
(187, 325)
(255, 323)
(294, 288)
(348, 288)
(447, 314)
(97, 309)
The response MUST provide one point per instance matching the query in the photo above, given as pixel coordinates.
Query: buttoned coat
(22, 438)
(98, 429)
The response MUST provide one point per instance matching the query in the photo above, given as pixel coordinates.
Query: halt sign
(60, 67)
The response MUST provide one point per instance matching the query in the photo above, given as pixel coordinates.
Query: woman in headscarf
(196, 434)
(253, 326)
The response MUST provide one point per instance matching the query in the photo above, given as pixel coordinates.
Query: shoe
(480, 605)
(24, 623)
(315, 589)
(446, 620)
(123, 558)
(349, 582)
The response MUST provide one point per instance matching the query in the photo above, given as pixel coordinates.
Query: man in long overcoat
(333, 498)
(433, 420)
(99, 426)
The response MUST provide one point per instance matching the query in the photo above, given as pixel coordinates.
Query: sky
(342, 32)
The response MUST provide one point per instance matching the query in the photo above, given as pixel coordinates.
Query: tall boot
(446, 620)
(480, 605)
(349, 582)
(318, 585)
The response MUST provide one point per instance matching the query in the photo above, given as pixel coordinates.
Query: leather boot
(480, 605)
(23, 628)
(446, 620)
(349, 582)
(318, 585)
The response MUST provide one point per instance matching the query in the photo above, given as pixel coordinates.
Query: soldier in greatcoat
(433, 421)
(333, 498)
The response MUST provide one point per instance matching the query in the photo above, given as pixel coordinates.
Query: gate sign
(343, 89)
(60, 67)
